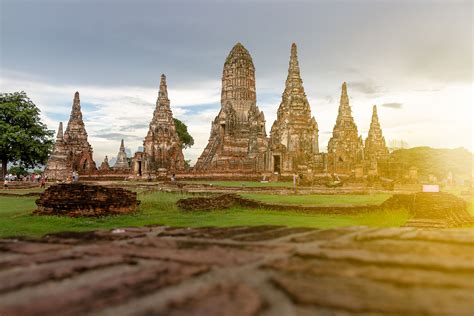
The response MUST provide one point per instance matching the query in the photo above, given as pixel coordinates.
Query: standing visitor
(43, 182)
(295, 178)
(5, 184)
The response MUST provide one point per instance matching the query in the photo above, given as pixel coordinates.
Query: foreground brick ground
(262, 270)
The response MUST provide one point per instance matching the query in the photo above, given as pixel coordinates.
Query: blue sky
(412, 59)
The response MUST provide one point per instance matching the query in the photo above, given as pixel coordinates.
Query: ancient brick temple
(238, 142)
(293, 145)
(345, 148)
(375, 147)
(162, 153)
(59, 166)
(122, 162)
(74, 145)
(104, 166)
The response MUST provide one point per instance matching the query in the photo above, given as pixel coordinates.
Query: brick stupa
(73, 145)
(345, 148)
(121, 163)
(162, 153)
(293, 141)
(375, 147)
(237, 142)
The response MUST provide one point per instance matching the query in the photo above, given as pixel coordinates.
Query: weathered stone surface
(238, 139)
(240, 271)
(162, 153)
(345, 148)
(72, 151)
(293, 144)
(85, 200)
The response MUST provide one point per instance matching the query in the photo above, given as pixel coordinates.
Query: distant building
(72, 151)
(162, 151)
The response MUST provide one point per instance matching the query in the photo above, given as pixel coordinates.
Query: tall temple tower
(162, 147)
(293, 141)
(58, 166)
(75, 137)
(238, 139)
(72, 151)
(345, 148)
(375, 147)
(121, 163)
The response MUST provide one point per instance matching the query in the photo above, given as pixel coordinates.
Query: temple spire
(76, 113)
(294, 84)
(375, 117)
(60, 135)
(344, 107)
(122, 146)
(163, 93)
(375, 146)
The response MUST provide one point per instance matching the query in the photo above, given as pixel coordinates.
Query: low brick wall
(79, 199)
(432, 210)
(223, 201)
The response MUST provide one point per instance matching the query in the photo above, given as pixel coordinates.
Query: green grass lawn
(159, 208)
(318, 199)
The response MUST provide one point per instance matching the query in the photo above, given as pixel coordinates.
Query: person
(5, 184)
(173, 178)
(295, 178)
(43, 182)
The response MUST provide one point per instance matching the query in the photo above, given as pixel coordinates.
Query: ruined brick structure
(243, 270)
(375, 150)
(293, 145)
(375, 147)
(104, 166)
(122, 162)
(74, 145)
(59, 166)
(79, 199)
(162, 151)
(238, 142)
(345, 148)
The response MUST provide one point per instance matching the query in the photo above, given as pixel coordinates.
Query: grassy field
(159, 208)
(318, 199)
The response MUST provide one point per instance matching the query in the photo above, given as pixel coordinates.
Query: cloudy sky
(412, 59)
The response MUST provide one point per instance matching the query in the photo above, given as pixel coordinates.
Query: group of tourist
(34, 177)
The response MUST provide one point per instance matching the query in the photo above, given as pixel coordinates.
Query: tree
(182, 130)
(24, 139)
(18, 171)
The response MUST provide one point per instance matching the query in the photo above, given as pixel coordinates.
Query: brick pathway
(264, 270)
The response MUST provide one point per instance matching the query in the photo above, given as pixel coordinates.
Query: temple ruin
(59, 166)
(162, 153)
(345, 148)
(293, 145)
(237, 143)
(72, 151)
(105, 166)
(121, 163)
(375, 147)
